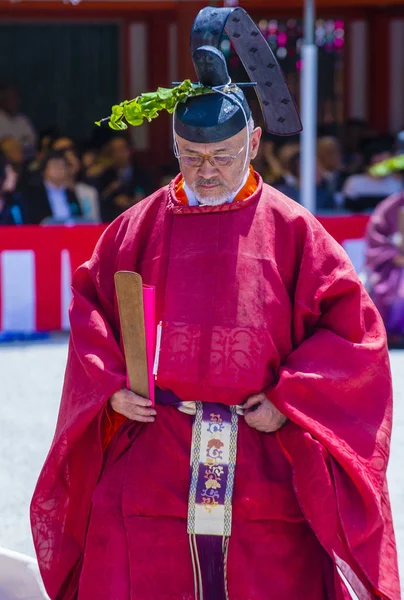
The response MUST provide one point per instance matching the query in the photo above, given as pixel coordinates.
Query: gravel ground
(31, 378)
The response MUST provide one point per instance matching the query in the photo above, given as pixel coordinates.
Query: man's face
(214, 185)
(119, 152)
(56, 172)
(329, 154)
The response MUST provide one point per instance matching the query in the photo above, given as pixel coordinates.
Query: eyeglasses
(216, 160)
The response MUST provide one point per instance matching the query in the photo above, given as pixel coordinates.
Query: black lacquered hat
(215, 116)
(224, 112)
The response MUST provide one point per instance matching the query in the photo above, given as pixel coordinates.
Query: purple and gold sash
(213, 462)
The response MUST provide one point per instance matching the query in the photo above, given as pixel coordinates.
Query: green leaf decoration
(148, 106)
(388, 167)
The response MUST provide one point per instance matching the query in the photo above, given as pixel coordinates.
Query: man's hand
(132, 406)
(261, 414)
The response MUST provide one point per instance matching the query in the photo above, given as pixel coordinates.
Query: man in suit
(52, 199)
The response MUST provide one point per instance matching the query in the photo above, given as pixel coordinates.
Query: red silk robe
(253, 296)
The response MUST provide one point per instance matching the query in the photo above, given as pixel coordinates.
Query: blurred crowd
(343, 181)
(52, 179)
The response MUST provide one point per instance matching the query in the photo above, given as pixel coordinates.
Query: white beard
(227, 195)
(214, 200)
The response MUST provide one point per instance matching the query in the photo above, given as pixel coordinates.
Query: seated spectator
(49, 141)
(86, 194)
(363, 191)
(95, 164)
(14, 124)
(324, 198)
(33, 171)
(267, 162)
(285, 154)
(52, 200)
(13, 152)
(354, 134)
(11, 211)
(89, 158)
(329, 160)
(120, 183)
(385, 264)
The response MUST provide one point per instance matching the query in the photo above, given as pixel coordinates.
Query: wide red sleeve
(335, 387)
(95, 369)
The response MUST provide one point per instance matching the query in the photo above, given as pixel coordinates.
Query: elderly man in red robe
(261, 470)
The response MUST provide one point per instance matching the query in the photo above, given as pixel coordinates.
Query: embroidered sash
(213, 462)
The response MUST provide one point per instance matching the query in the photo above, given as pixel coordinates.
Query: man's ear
(255, 142)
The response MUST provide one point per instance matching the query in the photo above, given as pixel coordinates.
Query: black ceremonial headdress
(223, 113)
(214, 108)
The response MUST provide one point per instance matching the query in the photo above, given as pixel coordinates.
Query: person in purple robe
(385, 263)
